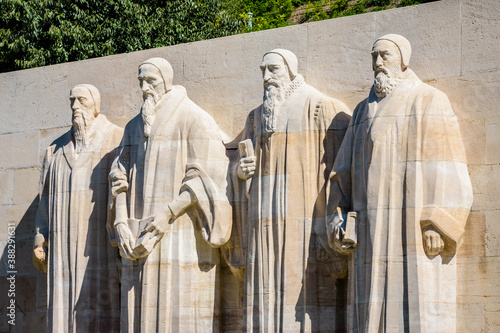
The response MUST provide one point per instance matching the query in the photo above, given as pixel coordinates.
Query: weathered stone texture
(456, 49)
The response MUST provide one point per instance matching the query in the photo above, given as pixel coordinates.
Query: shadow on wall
(28, 287)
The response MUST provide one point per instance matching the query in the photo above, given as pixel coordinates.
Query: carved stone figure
(402, 170)
(290, 273)
(170, 210)
(71, 243)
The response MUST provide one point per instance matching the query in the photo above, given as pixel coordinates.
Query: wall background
(456, 48)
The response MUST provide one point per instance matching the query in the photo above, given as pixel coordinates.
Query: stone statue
(71, 243)
(290, 273)
(170, 212)
(401, 176)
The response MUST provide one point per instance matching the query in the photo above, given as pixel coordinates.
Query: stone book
(145, 241)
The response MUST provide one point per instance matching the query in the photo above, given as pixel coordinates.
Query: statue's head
(279, 69)
(390, 58)
(155, 77)
(85, 102)
(86, 105)
(278, 66)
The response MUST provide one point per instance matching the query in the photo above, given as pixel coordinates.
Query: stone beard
(386, 80)
(274, 95)
(82, 121)
(148, 112)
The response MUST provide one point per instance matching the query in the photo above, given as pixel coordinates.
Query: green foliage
(268, 14)
(43, 32)
(325, 9)
(315, 10)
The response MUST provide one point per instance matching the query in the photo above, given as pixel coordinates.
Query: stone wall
(456, 47)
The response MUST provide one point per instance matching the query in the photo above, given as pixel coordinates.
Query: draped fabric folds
(83, 281)
(402, 167)
(175, 288)
(290, 272)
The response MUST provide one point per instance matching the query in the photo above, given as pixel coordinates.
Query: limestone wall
(456, 48)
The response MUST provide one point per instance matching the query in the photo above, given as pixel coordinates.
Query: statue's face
(150, 80)
(82, 103)
(274, 68)
(386, 57)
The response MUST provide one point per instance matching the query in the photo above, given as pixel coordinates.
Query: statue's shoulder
(59, 143)
(109, 127)
(114, 135)
(133, 123)
(425, 89)
(328, 107)
(429, 100)
(194, 114)
(360, 109)
(422, 89)
(116, 130)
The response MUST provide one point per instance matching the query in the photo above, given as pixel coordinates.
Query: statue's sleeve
(439, 155)
(118, 174)
(339, 185)
(234, 251)
(41, 239)
(206, 182)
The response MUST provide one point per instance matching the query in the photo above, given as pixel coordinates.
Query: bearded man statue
(402, 169)
(71, 244)
(170, 178)
(290, 272)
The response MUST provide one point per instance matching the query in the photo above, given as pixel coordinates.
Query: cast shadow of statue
(24, 231)
(323, 297)
(28, 298)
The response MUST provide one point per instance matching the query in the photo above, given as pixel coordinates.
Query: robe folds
(83, 276)
(176, 287)
(402, 167)
(290, 271)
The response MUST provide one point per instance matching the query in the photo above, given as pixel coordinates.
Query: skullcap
(165, 69)
(96, 96)
(403, 45)
(289, 57)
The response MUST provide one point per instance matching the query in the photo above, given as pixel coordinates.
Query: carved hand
(159, 224)
(126, 241)
(40, 253)
(336, 236)
(246, 168)
(118, 186)
(339, 245)
(432, 240)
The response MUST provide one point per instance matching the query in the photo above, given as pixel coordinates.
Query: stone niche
(455, 49)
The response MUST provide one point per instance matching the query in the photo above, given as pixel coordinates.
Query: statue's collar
(294, 85)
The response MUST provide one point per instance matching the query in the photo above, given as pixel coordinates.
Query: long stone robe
(290, 272)
(175, 288)
(401, 166)
(83, 276)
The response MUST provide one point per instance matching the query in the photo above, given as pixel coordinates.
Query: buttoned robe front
(402, 167)
(176, 287)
